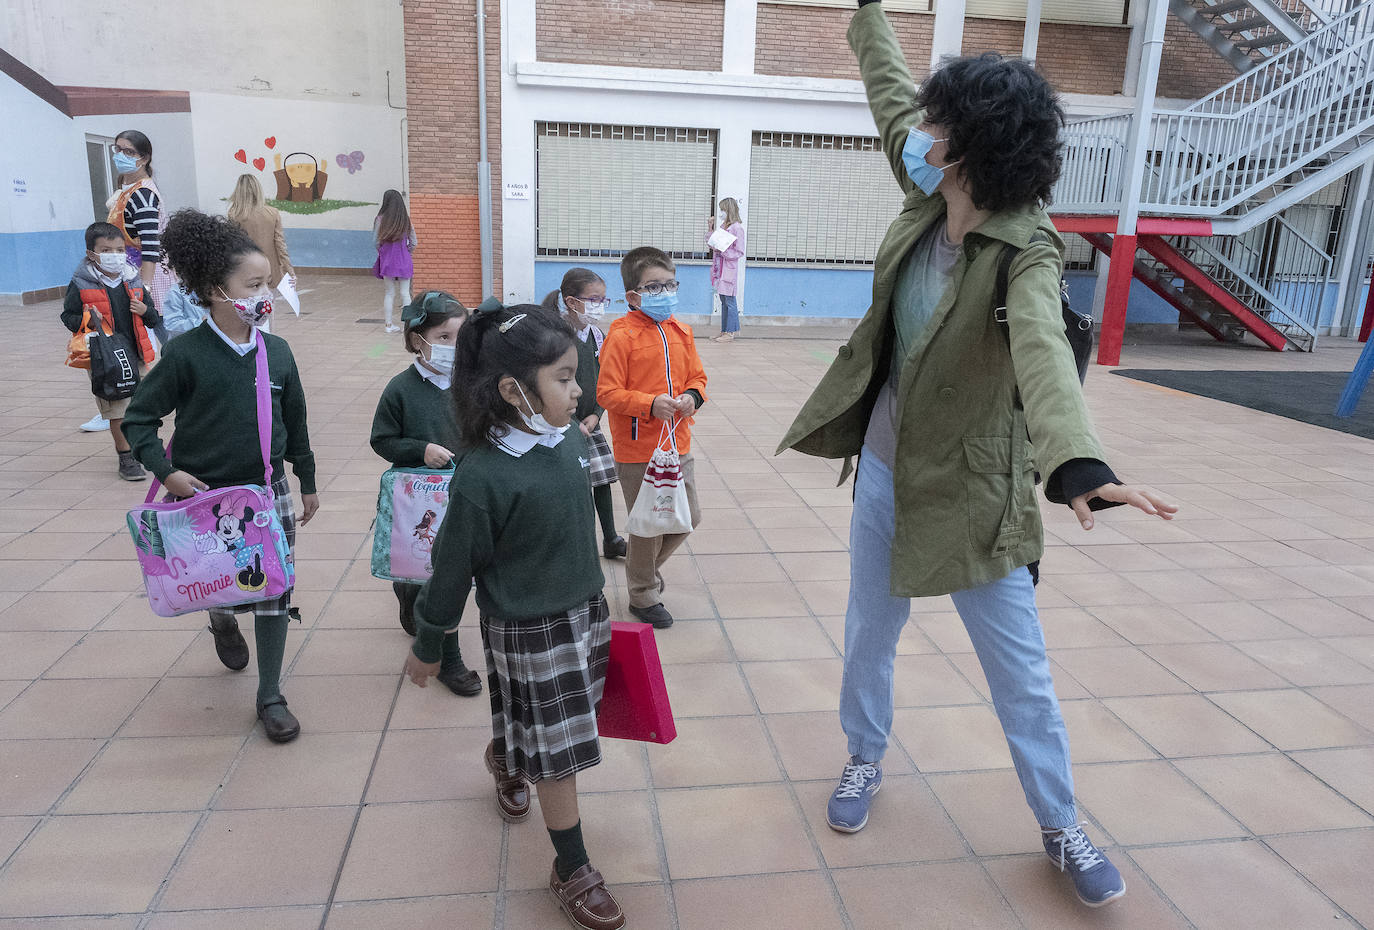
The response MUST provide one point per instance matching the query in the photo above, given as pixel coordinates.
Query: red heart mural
(259, 163)
(242, 156)
(270, 142)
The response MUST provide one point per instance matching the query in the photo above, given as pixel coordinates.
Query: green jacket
(966, 506)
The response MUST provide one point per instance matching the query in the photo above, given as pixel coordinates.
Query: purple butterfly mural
(353, 161)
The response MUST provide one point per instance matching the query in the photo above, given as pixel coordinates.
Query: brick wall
(441, 104)
(810, 41)
(1188, 68)
(682, 34)
(1077, 59)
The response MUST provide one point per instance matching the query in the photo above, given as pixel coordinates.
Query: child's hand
(711, 223)
(436, 456)
(589, 423)
(420, 672)
(1147, 501)
(137, 307)
(181, 484)
(665, 408)
(687, 405)
(310, 503)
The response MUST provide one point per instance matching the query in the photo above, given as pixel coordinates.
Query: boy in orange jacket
(650, 374)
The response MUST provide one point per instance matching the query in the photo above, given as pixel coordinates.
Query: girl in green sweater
(415, 427)
(208, 377)
(521, 522)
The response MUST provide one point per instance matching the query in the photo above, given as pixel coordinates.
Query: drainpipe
(483, 166)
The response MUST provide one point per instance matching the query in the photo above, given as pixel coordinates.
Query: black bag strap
(999, 309)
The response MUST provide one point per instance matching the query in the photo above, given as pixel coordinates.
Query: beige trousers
(645, 555)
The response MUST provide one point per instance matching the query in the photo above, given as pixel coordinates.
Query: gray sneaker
(129, 469)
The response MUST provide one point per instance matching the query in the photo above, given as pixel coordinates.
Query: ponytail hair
(550, 301)
(496, 343)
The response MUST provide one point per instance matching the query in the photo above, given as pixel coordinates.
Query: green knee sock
(572, 852)
(451, 659)
(270, 633)
(605, 511)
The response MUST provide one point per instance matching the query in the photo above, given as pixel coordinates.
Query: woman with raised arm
(952, 408)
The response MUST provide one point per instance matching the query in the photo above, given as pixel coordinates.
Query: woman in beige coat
(249, 209)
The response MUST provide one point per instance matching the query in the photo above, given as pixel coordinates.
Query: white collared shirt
(516, 442)
(442, 382)
(241, 348)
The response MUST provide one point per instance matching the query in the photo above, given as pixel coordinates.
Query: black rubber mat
(1309, 396)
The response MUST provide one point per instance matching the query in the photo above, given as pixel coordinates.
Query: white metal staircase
(1300, 117)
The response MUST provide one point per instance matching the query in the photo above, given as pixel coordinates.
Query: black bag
(1078, 327)
(114, 365)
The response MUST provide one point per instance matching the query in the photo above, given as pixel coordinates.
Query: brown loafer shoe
(512, 794)
(586, 900)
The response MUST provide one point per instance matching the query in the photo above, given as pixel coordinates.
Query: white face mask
(441, 356)
(536, 421)
(112, 263)
(594, 309)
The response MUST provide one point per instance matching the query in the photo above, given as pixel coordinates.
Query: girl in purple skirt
(395, 241)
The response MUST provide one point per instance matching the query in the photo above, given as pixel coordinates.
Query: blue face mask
(125, 163)
(658, 307)
(922, 173)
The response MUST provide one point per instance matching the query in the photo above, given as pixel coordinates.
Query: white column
(737, 50)
(1143, 122)
(735, 147)
(1350, 256)
(1030, 40)
(1104, 266)
(1139, 10)
(517, 153)
(948, 35)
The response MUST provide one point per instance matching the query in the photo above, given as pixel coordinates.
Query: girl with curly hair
(953, 405)
(207, 376)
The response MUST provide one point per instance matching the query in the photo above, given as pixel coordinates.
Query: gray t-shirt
(921, 281)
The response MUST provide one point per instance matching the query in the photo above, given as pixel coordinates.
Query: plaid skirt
(545, 676)
(602, 459)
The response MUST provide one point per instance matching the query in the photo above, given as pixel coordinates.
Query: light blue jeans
(729, 313)
(1004, 626)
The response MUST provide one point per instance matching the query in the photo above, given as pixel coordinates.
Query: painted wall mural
(300, 184)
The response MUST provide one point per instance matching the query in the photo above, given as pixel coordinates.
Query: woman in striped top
(136, 210)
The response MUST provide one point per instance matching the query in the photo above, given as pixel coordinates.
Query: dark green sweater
(523, 527)
(412, 413)
(211, 388)
(588, 371)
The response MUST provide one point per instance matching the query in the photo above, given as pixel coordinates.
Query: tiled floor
(1217, 675)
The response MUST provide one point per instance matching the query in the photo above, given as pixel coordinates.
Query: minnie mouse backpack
(220, 548)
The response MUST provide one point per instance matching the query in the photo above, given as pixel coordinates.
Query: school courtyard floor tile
(1217, 676)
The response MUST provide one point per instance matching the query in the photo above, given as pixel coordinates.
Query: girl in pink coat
(725, 269)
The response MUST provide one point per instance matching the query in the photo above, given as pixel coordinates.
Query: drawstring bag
(219, 548)
(410, 506)
(661, 508)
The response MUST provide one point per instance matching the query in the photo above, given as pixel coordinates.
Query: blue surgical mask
(658, 307)
(125, 163)
(922, 173)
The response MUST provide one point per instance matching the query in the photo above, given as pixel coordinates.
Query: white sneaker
(393, 329)
(95, 424)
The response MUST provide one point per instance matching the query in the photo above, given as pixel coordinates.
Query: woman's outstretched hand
(1148, 501)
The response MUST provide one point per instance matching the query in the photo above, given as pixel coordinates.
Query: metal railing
(1242, 140)
(1274, 269)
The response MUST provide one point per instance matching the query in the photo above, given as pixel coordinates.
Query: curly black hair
(513, 341)
(204, 250)
(1002, 118)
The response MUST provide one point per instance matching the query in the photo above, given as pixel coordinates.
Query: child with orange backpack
(106, 288)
